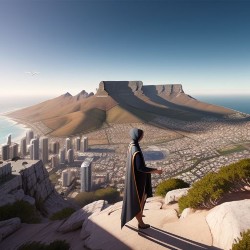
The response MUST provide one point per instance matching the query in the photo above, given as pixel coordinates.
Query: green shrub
(169, 185)
(62, 214)
(206, 192)
(243, 243)
(55, 245)
(22, 209)
(109, 194)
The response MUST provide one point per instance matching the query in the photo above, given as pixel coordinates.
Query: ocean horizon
(7, 126)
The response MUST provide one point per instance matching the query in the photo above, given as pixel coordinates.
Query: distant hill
(117, 102)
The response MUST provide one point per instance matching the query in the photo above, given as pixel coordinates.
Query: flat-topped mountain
(118, 102)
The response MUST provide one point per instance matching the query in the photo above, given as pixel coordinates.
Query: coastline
(23, 124)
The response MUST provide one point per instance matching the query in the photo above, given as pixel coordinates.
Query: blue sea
(17, 131)
(8, 126)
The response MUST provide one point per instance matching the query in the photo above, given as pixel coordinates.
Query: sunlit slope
(173, 96)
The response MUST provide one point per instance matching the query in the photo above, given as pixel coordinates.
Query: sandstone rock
(152, 205)
(186, 212)
(8, 227)
(227, 220)
(175, 195)
(76, 220)
(29, 199)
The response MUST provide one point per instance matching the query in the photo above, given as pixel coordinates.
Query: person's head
(136, 134)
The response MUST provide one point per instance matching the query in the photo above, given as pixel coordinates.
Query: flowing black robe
(137, 182)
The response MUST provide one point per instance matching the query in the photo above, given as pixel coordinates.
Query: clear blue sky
(204, 45)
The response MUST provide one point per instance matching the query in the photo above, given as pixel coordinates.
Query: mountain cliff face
(117, 102)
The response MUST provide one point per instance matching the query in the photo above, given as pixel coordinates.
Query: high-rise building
(5, 152)
(78, 144)
(86, 175)
(55, 146)
(8, 139)
(64, 178)
(31, 151)
(23, 147)
(67, 177)
(54, 161)
(68, 144)
(62, 157)
(44, 144)
(35, 143)
(13, 150)
(29, 136)
(70, 156)
(85, 144)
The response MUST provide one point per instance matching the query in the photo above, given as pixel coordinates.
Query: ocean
(17, 131)
(8, 126)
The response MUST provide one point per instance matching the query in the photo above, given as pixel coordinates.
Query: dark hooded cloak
(137, 179)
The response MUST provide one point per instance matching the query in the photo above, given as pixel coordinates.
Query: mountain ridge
(118, 102)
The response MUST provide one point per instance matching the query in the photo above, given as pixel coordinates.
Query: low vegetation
(206, 192)
(243, 243)
(169, 185)
(22, 209)
(109, 194)
(62, 214)
(55, 245)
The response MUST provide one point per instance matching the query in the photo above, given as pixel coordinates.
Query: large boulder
(8, 227)
(227, 221)
(186, 212)
(175, 195)
(29, 199)
(76, 220)
(7, 199)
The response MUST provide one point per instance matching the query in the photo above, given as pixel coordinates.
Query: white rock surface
(227, 220)
(8, 227)
(76, 220)
(186, 212)
(175, 195)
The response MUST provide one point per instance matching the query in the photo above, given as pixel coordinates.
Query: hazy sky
(204, 45)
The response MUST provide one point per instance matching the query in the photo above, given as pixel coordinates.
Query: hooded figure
(137, 182)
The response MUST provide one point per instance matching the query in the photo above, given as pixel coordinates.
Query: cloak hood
(135, 134)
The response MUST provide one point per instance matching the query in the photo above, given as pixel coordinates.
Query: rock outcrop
(175, 195)
(8, 227)
(227, 220)
(76, 220)
(30, 182)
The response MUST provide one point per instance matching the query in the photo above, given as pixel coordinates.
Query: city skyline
(53, 47)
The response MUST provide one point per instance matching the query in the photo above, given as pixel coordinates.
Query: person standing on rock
(137, 182)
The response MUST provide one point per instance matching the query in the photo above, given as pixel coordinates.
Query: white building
(70, 156)
(44, 146)
(13, 150)
(5, 152)
(85, 144)
(62, 153)
(78, 143)
(23, 147)
(86, 175)
(8, 141)
(35, 149)
(68, 144)
(29, 136)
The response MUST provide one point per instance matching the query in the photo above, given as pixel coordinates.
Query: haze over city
(73, 45)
